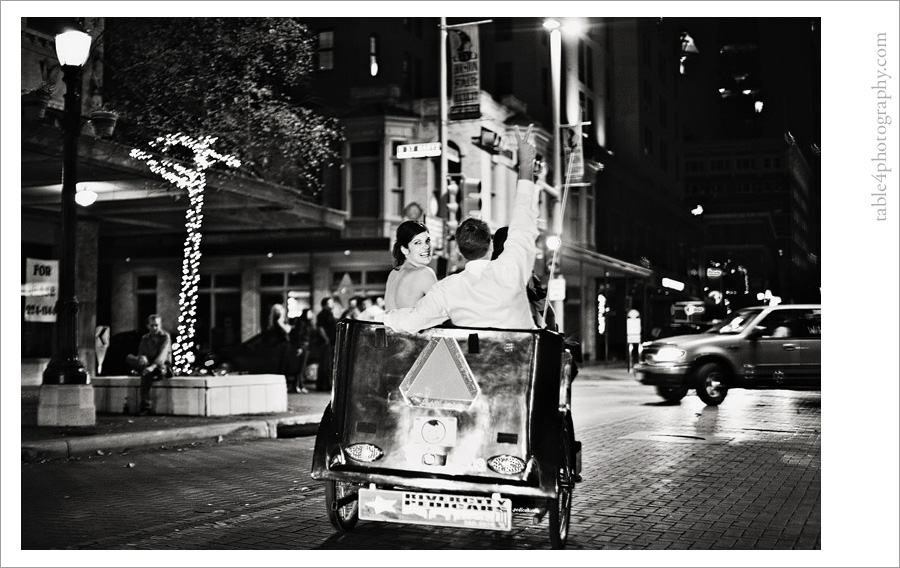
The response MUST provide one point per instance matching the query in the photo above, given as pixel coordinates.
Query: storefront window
(366, 283)
(290, 289)
(218, 311)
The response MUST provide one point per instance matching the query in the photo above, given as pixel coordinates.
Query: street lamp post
(72, 48)
(70, 406)
(555, 74)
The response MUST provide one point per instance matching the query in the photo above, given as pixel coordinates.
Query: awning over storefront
(132, 201)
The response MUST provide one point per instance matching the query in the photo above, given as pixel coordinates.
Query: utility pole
(555, 79)
(442, 179)
(445, 114)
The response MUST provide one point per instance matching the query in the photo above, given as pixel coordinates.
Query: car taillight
(364, 452)
(507, 465)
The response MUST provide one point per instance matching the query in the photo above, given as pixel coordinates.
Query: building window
(365, 179)
(288, 288)
(373, 55)
(145, 292)
(361, 283)
(695, 166)
(545, 86)
(647, 141)
(218, 311)
(418, 73)
(364, 190)
(663, 115)
(586, 104)
(325, 50)
(405, 68)
(646, 49)
(504, 74)
(586, 64)
(647, 91)
(398, 201)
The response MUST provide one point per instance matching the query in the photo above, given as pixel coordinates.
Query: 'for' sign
(41, 281)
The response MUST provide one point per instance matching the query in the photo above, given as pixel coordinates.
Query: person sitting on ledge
(154, 359)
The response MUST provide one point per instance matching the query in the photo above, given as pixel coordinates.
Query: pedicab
(451, 426)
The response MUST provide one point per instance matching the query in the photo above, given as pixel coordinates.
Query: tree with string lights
(244, 81)
(191, 179)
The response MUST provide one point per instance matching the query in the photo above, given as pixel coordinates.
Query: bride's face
(418, 252)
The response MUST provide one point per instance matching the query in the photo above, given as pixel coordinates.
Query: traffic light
(452, 205)
(437, 205)
(472, 203)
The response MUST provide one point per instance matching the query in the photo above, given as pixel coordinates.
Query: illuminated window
(373, 55)
(325, 51)
(288, 288)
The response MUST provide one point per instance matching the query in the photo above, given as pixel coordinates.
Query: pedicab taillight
(507, 465)
(364, 452)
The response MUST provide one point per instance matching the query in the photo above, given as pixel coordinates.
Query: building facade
(622, 204)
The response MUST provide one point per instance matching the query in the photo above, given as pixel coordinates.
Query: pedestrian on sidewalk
(326, 328)
(153, 361)
(301, 336)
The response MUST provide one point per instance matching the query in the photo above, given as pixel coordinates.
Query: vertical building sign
(40, 289)
(464, 73)
(574, 151)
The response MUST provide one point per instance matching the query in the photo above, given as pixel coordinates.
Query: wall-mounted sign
(40, 289)
(574, 152)
(465, 72)
(426, 150)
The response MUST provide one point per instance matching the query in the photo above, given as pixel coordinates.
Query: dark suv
(774, 347)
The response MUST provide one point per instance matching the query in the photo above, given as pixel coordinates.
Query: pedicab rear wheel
(561, 506)
(344, 516)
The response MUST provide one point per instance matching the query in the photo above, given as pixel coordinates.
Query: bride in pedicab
(456, 425)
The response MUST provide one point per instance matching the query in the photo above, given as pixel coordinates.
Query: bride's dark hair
(405, 233)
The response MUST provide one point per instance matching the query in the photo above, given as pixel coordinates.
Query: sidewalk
(119, 432)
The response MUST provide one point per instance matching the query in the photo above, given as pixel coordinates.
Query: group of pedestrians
(306, 342)
(302, 342)
(364, 308)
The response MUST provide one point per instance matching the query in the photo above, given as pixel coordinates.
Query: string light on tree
(192, 180)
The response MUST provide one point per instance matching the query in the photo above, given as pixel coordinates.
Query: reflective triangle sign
(440, 377)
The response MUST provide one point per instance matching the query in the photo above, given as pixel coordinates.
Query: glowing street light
(64, 368)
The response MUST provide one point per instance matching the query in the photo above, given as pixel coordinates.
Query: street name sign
(425, 150)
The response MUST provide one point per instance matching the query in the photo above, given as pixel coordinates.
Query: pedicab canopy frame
(449, 426)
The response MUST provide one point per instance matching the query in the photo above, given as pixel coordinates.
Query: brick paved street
(743, 476)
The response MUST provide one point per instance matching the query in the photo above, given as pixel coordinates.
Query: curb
(73, 447)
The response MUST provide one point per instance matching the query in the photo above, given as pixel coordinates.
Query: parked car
(764, 347)
(262, 353)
